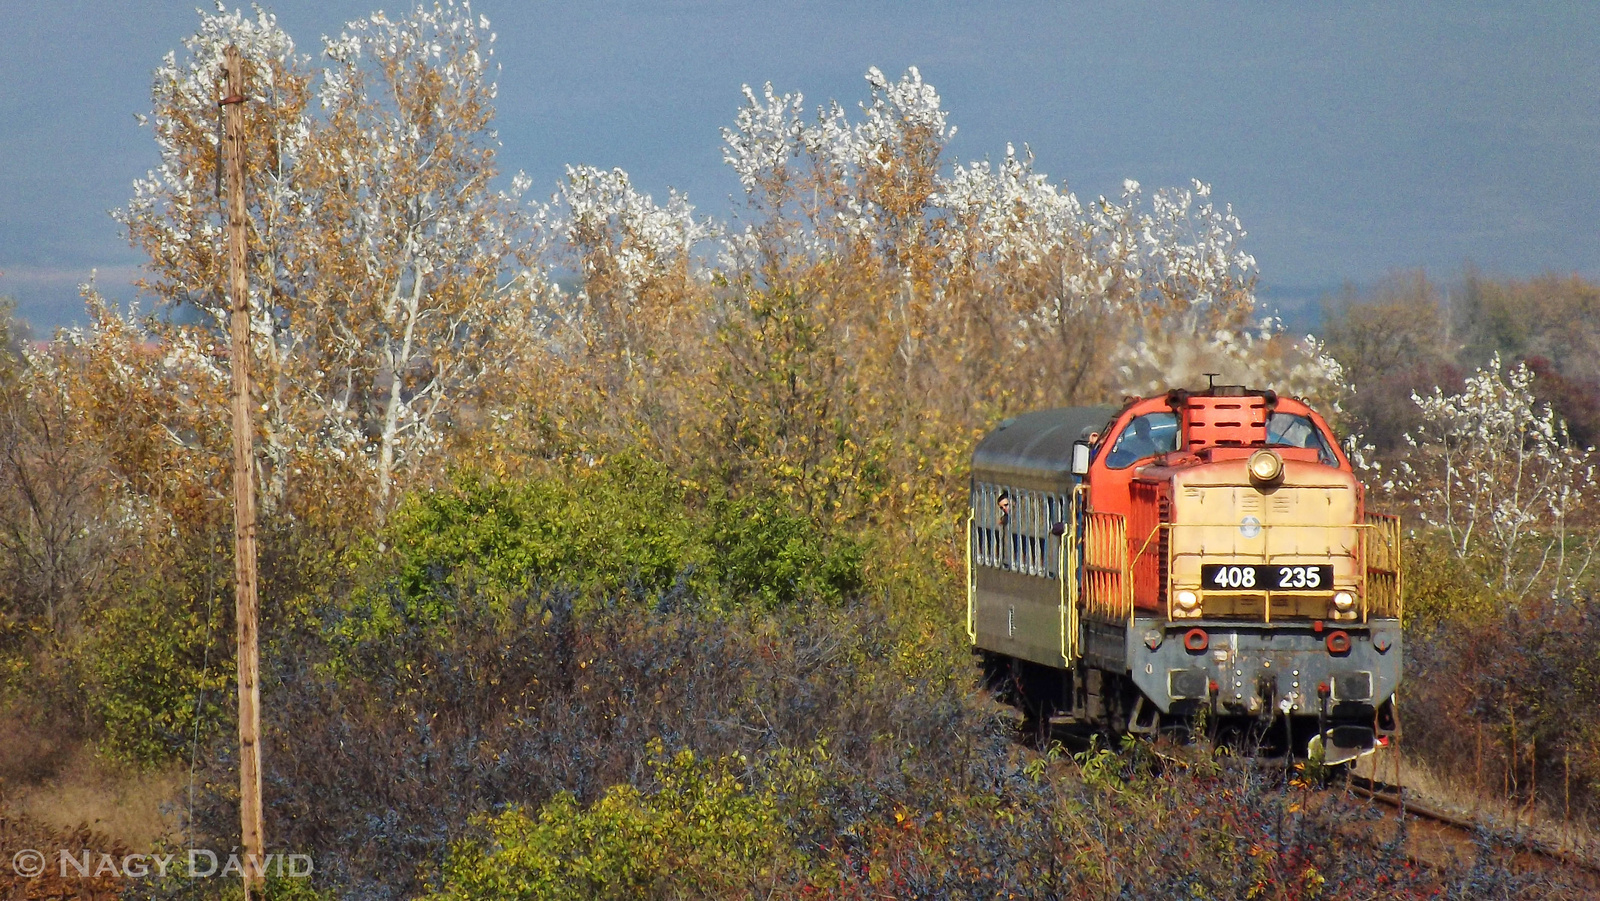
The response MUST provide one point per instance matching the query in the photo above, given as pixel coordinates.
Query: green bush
(160, 660)
(1441, 587)
(625, 527)
(765, 552)
(619, 526)
(701, 833)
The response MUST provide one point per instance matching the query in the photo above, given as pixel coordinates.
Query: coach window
(1294, 430)
(1145, 436)
(990, 504)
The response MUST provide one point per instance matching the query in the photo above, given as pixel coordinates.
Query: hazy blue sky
(1352, 139)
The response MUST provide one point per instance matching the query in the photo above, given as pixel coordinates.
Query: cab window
(1294, 430)
(1144, 436)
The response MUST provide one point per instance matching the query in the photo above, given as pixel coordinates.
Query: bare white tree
(1498, 473)
(390, 281)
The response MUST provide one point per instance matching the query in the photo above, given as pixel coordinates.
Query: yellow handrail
(972, 583)
(1067, 560)
(1096, 570)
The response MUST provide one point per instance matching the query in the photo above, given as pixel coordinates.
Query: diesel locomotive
(1198, 557)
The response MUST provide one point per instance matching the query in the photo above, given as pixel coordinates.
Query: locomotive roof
(1037, 444)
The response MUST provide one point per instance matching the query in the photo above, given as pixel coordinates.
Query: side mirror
(1080, 458)
(1058, 529)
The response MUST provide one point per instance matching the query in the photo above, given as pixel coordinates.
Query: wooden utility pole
(244, 481)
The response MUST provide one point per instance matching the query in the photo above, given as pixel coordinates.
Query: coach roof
(1037, 444)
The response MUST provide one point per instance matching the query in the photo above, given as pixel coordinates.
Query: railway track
(1435, 832)
(1436, 840)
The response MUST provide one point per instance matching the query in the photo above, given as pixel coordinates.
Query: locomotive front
(1273, 592)
(1215, 556)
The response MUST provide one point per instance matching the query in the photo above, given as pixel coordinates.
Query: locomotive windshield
(1145, 436)
(1294, 430)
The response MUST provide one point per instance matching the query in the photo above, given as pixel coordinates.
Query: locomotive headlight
(1188, 600)
(1343, 600)
(1266, 466)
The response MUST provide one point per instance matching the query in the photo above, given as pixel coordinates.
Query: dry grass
(1457, 794)
(62, 785)
(127, 807)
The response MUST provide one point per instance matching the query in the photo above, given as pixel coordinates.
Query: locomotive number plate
(1274, 577)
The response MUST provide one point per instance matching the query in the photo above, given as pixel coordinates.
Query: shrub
(1492, 699)
(379, 764)
(698, 833)
(1441, 586)
(160, 662)
(621, 527)
(624, 526)
(768, 555)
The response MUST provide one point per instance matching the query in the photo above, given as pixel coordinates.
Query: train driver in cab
(1146, 436)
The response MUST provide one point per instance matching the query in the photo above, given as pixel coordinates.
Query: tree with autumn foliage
(57, 519)
(865, 280)
(389, 284)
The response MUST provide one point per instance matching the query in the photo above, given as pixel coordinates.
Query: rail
(1470, 828)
